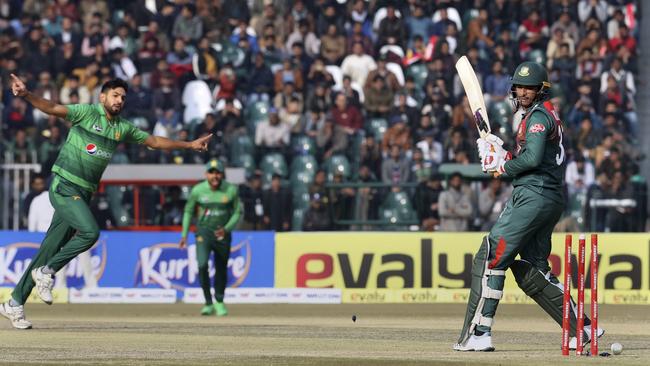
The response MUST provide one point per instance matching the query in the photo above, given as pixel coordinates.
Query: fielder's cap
(214, 164)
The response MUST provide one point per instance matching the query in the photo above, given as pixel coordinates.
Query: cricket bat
(474, 95)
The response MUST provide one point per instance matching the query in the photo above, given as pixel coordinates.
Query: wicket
(566, 308)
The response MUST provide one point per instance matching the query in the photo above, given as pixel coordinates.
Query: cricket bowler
(97, 130)
(217, 204)
(524, 227)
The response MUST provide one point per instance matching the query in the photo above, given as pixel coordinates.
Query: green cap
(214, 164)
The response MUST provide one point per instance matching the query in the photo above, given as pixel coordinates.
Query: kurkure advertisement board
(435, 267)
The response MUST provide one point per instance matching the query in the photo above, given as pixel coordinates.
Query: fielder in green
(216, 203)
(524, 227)
(95, 133)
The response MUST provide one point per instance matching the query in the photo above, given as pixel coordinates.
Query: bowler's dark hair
(115, 83)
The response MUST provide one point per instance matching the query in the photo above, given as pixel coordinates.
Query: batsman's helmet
(531, 73)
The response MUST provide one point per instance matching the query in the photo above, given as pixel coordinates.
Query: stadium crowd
(303, 94)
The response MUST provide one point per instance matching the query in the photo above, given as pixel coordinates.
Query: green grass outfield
(303, 335)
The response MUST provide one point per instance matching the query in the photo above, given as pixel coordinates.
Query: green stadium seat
(254, 114)
(302, 145)
(246, 161)
(419, 73)
(337, 164)
(537, 56)
(303, 169)
(397, 208)
(300, 196)
(273, 163)
(377, 127)
(500, 114)
(241, 145)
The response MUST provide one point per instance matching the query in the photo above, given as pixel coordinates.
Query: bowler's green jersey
(539, 158)
(91, 143)
(218, 208)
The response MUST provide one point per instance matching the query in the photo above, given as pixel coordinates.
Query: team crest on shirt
(224, 199)
(537, 127)
(199, 239)
(97, 128)
(117, 135)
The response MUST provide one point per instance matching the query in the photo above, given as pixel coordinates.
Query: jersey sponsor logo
(97, 128)
(92, 149)
(537, 127)
(164, 265)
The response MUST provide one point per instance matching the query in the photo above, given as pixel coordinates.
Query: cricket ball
(617, 348)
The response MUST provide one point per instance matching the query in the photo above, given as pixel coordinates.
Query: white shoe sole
(6, 315)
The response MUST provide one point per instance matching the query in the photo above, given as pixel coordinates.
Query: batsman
(524, 227)
(217, 204)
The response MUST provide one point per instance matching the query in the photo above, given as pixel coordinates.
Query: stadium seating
(273, 163)
(397, 209)
(377, 127)
(303, 145)
(419, 74)
(337, 164)
(303, 169)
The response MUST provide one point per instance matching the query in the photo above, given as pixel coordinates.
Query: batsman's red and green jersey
(218, 208)
(539, 158)
(91, 142)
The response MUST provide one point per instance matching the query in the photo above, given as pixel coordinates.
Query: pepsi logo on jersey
(92, 149)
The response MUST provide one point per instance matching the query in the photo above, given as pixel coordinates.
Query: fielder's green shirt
(539, 158)
(91, 143)
(219, 208)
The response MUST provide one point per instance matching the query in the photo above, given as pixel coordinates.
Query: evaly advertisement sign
(436, 267)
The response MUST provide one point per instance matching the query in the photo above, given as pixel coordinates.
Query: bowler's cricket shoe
(16, 314)
(207, 310)
(586, 340)
(44, 284)
(482, 343)
(221, 309)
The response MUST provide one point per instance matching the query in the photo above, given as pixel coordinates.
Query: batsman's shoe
(207, 310)
(574, 341)
(16, 314)
(44, 283)
(482, 343)
(221, 309)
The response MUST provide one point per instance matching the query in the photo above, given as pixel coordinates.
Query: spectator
(395, 169)
(341, 202)
(366, 200)
(317, 217)
(454, 206)
(358, 64)
(40, 213)
(358, 36)
(418, 24)
(172, 209)
(420, 168)
(332, 47)
(476, 31)
(271, 135)
(392, 30)
(260, 84)
(270, 19)
(354, 98)
(331, 139)
(426, 202)
(290, 73)
(167, 101)
(580, 175)
(398, 134)
(180, 58)
(370, 155)
(187, 25)
(36, 187)
(123, 66)
(49, 148)
(139, 101)
(251, 196)
(491, 202)
(302, 34)
(532, 33)
(497, 84)
(326, 17)
(559, 39)
(346, 116)
(381, 71)
(229, 119)
(379, 98)
(277, 206)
